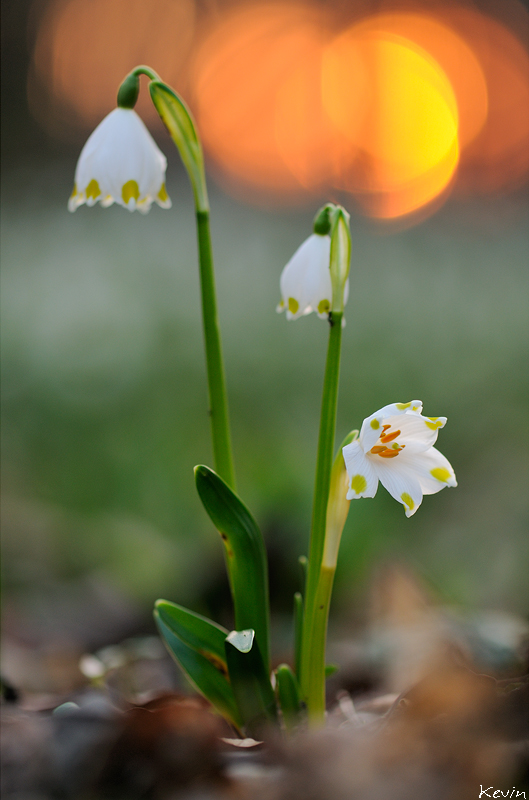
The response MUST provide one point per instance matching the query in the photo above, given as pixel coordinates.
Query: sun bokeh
(396, 107)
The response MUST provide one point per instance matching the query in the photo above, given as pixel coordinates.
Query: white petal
(417, 433)
(306, 280)
(400, 480)
(372, 426)
(121, 153)
(432, 469)
(363, 481)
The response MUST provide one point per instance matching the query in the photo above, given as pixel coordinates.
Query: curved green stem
(312, 670)
(142, 69)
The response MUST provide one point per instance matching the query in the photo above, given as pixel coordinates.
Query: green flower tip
(322, 220)
(128, 91)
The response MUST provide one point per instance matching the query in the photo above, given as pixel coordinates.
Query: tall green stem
(218, 400)
(181, 126)
(312, 677)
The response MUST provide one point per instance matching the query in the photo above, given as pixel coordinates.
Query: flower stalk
(319, 577)
(179, 122)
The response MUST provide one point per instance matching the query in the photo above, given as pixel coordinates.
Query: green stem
(315, 615)
(218, 400)
(314, 677)
(143, 69)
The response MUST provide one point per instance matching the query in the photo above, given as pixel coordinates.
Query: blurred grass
(104, 397)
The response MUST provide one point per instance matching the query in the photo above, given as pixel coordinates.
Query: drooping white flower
(120, 163)
(395, 447)
(306, 280)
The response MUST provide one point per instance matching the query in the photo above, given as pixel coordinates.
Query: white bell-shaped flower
(120, 163)
(395, 447)
(306, 280)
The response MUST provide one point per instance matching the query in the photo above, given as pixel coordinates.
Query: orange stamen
(389, 437)
(384, 429)
(389, 453)
(377, 449)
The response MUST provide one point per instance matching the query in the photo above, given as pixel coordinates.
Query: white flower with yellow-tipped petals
(395, 447)
(120, 163)
(306, 280)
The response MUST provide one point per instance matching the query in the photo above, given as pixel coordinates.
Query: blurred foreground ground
(410, 714)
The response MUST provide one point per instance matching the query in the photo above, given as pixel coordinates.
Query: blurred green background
(104, 396)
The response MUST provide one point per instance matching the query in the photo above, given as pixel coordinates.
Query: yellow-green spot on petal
(162, 194)
(375, 424)
(402, 406)
(130, 191)
(406, 499)
(74, 190)
(434, 423)
(441, 473)
(324, 307)
(93, 190)
(293, 305)
(358, 484)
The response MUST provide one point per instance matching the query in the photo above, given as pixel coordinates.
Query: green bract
(179, 122)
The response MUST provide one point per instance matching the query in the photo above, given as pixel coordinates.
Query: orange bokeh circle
(408, 129)
(256, 85)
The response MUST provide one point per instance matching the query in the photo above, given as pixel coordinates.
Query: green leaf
(250, 681)
(288, 693)
(197, 645)
(179, 121)
(245, 555)
(330, 669)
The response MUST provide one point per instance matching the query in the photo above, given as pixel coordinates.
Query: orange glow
(257, 86)
(455, 57)
(408, 133)
(312, 149)
(498, 158)
(84, 50)
(397, 109)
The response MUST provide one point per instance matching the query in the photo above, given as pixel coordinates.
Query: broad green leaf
(245, 555)
(179, 121)
(250, 681)
(197, 645)
(288, 694)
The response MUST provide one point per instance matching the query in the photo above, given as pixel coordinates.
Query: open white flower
(120, 163)
(395, 447)
(306, 280)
